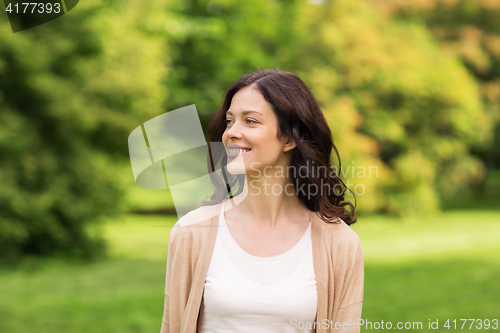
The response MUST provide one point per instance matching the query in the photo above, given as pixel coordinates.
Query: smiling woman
(278, 249)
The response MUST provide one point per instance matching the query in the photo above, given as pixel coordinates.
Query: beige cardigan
(337, 260)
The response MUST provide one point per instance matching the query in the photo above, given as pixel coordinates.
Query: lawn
(438, 268)
(442, 268)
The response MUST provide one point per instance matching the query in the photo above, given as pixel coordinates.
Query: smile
(233, 152)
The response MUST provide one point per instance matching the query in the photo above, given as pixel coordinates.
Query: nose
(234, 131)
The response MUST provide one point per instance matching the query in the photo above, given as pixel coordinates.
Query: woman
(277, 255)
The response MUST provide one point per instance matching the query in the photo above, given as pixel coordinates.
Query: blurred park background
(411, 89)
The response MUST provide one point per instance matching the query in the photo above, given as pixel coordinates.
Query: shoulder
(194, 224)
(338, 234)
(342, 245)
(196, 216)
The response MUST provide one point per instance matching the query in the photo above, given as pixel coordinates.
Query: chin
(237, 172)
(236, 168)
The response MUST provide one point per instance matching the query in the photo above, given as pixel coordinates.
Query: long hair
(300, 118)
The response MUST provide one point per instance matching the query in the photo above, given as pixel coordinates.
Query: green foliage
(408, 117)
(470, 30)
(214, 43)
(399, 105)
(416, 102)
(70, 93)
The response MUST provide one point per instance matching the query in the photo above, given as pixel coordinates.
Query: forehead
(249, 99)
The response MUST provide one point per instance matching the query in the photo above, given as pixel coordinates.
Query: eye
(227, 121)
(251, 121)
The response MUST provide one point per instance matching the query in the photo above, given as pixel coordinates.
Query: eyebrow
(244, 112)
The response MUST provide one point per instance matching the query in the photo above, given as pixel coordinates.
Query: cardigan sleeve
(349, 311)
(165, 326)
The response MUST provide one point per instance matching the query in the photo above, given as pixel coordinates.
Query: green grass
(452, 234)
(423, 290)
(444, 267)
(115, 296)
(140, 237)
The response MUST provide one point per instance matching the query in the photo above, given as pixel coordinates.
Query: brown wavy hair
(300, 118)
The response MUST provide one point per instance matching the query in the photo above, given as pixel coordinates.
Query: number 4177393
(34, 8)
(479, 324)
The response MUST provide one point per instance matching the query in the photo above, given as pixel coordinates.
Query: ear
(289, 145)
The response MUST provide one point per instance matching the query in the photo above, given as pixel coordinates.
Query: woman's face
(250, 138)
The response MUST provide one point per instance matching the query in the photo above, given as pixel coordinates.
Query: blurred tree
(469, 29)
(71, 91)
(215, 42)
(396, 102)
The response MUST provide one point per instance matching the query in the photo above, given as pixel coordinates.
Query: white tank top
(245, 293)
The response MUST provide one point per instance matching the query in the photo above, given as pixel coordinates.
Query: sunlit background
(410, 88)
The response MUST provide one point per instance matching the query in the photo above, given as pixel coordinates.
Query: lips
(234, 150)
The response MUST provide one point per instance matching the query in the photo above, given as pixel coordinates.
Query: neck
(268, 200)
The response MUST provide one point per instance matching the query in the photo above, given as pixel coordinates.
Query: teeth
(237, 151)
